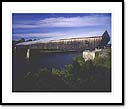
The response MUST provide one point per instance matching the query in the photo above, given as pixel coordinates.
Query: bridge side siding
(67, 44)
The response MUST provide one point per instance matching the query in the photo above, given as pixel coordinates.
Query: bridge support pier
(28, 54)
(14, 49)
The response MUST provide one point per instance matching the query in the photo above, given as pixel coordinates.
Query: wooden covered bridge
(72, 44)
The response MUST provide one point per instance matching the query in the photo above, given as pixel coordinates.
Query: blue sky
(53, 26)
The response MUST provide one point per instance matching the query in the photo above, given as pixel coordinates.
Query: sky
(54, 26)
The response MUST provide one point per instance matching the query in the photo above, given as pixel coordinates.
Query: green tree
(21, 40)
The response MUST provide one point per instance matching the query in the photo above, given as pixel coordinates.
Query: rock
(88, 55)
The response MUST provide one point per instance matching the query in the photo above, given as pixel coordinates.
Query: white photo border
(115, 97)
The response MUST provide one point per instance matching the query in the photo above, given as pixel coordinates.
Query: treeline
(92, 75)
(14, 42)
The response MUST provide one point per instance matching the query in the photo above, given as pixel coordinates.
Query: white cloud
(67, 22)
(73, 21)
(52, 34)
(61, 35)
(24, 26)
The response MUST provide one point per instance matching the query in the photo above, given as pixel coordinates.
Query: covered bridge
(72, 44)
